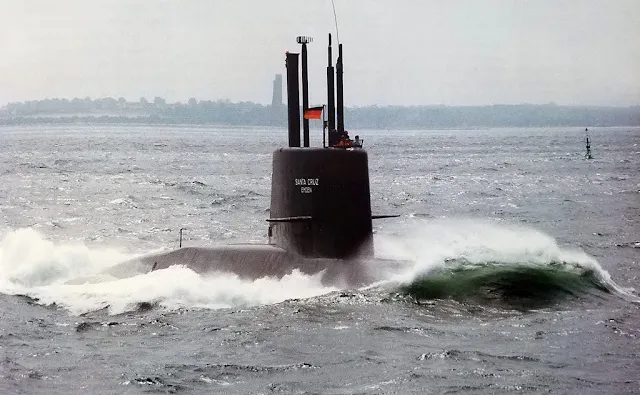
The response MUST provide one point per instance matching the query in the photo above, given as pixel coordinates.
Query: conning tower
(320, 197)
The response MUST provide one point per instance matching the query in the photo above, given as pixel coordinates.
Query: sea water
(524, 262)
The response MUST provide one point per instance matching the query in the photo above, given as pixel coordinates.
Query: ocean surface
(524, 263)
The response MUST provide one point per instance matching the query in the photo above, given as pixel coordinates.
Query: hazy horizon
(409, 53)
(165, 103)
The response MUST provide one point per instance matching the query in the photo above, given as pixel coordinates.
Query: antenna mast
(304, 40)
(335, 18)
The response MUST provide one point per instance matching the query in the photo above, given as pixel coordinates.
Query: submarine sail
(320, 216)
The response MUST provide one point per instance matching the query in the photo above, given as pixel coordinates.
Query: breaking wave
(487, 263)
(471, 261)
(71, 276)
(520, 286)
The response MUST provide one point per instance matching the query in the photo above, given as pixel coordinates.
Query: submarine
(320, 216)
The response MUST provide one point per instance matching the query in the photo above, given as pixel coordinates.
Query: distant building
(276, 100)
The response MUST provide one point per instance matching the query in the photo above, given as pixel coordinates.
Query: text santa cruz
(306, 184)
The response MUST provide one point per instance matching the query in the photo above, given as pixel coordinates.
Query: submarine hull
(251, 262)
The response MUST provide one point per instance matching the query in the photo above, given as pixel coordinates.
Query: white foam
(27, 259)
(177, 287)
(70, 276)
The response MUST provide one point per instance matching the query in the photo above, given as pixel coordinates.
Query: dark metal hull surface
(256, 261)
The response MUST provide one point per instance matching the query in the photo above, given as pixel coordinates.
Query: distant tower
(276, 101)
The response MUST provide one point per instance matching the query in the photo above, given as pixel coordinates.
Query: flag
(313, 113)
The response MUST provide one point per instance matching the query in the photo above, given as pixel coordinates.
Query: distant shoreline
(146, 122)
(225, 113)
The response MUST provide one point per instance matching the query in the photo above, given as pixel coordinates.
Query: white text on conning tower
(306, 184)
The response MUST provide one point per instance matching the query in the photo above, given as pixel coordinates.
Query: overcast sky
(396, 51)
